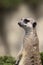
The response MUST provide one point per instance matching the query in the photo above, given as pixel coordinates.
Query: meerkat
(29, 55)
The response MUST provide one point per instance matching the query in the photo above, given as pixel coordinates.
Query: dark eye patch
(34, 24)
(26, 21)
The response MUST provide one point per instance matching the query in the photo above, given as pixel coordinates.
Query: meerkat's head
(27, 23)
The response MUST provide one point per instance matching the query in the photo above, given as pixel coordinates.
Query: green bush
(6, 60)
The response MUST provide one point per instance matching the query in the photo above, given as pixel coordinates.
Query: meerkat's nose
(19, 23)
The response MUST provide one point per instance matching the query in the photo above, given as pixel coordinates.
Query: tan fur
(31, 48)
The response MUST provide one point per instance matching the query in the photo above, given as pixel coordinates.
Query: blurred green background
(15, 3)
(9, 3)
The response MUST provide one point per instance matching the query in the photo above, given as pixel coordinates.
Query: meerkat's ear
(34, 24)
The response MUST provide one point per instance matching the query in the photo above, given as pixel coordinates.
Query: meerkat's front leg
(19, 56)
(18, 59)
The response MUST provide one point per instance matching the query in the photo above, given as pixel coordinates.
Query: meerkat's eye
(26, 21)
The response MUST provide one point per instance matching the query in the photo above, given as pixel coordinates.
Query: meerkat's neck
(28, 32)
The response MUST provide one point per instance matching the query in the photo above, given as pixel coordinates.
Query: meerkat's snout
(24, 23)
